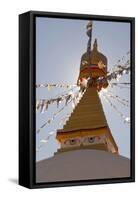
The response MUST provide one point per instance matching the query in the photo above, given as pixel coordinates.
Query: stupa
(87, 127)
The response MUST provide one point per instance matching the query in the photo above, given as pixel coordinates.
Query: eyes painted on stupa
(83, 141)
(91, 139)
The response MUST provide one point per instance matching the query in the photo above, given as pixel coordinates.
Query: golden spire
(95, 45)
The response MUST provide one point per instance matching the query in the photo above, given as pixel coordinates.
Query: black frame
(27, 98)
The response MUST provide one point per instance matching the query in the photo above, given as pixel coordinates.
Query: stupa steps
(86, 99)
(89, 100)
(88, 113)
(94, 125)
(90, 94)
(72, 112)
(87, 117)
(92, 108)
(87, 120)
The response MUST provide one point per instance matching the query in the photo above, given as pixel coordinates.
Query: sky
(60, 44)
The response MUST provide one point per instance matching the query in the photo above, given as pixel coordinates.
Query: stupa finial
(95, 44)
(89, 34)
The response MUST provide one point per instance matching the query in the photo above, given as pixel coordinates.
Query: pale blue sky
(59, 46)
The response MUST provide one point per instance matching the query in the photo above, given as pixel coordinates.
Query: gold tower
(87, 127)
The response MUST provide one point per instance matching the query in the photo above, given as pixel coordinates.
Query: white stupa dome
(82, 165)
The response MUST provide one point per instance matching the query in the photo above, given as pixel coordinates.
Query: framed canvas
(76, 99)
